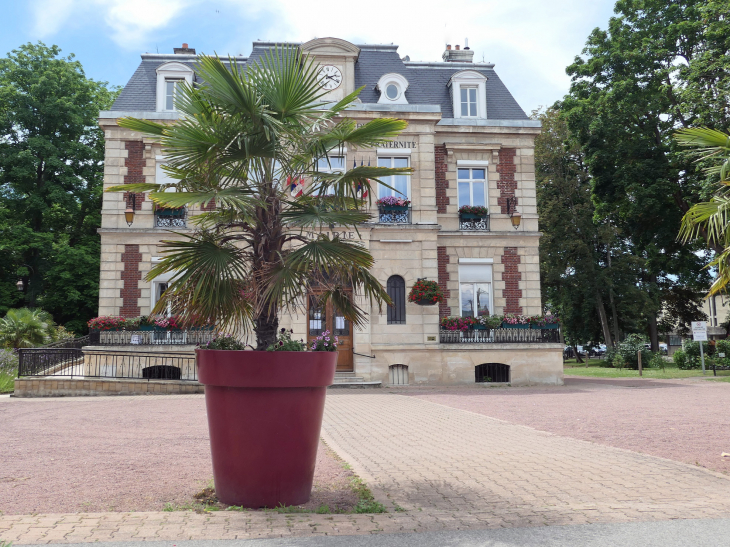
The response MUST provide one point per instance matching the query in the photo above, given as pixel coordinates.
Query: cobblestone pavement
(436, 468)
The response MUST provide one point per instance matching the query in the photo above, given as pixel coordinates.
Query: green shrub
(692, 349)
(680, 359)
(629, 349)
(722, 346)
(656, 361)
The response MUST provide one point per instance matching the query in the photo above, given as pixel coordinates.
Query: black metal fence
(474, 224)
(65, 362)
(391, 215)
(150, 337)
(501, 336)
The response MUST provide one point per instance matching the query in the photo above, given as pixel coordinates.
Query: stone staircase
(349, 380)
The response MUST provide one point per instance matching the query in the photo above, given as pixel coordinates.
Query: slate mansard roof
(428, 82)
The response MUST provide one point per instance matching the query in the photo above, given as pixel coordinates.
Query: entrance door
(329, 318)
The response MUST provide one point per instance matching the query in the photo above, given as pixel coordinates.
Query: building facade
(468, 143)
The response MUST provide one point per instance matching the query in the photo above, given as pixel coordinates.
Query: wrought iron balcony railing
(501, 336)
(393, 214)
(473, 222)
(171, 218)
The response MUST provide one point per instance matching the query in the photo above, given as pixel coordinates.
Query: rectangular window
(475, 289)
(398, 183)
(468, 102)
(170, 90)
(472, 187)
(331, 164)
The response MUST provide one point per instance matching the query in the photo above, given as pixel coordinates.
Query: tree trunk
(616, 337)
(266, 327)
(653, 333)
(577, 355)
(604, 319)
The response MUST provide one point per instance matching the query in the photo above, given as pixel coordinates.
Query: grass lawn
(668, 373)
(7, 382)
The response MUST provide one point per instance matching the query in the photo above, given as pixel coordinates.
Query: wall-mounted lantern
(20, 285)
(514, 214)
(131, 206)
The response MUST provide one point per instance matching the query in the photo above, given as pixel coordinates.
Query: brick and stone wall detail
(131, 275)
(135, 164)
(512, 277)
(442, 200)
(506, 183)
(442, 260)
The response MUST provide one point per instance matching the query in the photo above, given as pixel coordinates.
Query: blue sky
(530, 41)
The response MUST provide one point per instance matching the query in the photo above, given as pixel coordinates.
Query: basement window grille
(492, 373)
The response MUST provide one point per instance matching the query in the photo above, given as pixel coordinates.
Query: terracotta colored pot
(264, 415)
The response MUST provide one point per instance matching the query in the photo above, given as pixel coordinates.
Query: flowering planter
(479, 327)
(515, 326)
(146, 327)
(388, 208)
(425, 302)
(264, 417)
(546, 326)
(471, 216)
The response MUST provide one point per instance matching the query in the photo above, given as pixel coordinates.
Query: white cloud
(51, 15)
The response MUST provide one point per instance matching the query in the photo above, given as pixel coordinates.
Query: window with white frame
(468, 101)
(392, 89)
(472, 185)
(469, 94)
(169, 77)
(475, 289)
(170, 92)
(331, 164)
(399, 184)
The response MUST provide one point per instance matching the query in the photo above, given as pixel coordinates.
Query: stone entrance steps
(349, 380)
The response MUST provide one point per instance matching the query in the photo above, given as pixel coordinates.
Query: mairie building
(468, 143)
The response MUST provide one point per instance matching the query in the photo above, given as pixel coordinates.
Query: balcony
(171, 218)
(501, 336)
(471, 222)
(394, 214)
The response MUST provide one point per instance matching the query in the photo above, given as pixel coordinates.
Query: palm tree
(243, 136)
(710, 218)
(25, 328)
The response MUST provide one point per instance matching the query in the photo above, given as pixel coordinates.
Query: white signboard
(699, 331)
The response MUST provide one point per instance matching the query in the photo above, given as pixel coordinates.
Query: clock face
(329, 77)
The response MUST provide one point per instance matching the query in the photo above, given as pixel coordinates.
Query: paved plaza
(436, 467)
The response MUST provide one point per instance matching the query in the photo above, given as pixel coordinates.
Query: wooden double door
(327, 318)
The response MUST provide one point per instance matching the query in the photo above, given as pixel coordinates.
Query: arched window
(396, 288)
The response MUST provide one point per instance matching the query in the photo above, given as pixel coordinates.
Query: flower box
(515, 325)
(471, 216)
(479, 326)
(426, 302)
(146, 327)
(388, 208)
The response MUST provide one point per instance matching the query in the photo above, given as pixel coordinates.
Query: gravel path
(683, 420)
(119, 454)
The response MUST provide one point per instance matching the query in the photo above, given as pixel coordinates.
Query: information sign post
(699, 334)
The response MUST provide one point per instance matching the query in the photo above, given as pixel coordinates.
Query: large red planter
(264, 416)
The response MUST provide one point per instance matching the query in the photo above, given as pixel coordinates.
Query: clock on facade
(329, 77)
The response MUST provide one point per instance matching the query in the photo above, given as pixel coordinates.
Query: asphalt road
(673, 533)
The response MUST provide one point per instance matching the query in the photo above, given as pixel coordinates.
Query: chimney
(457, 55)
(184, 50)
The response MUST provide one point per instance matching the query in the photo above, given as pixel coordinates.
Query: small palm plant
(711, 218)
(25, 328)
(244, 139)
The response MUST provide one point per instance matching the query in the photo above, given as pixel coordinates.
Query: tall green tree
(661, 65)
(51, 174)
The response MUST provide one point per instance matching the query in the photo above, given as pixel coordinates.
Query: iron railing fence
(474, 224)
(171, 218)
(108, 364)
(501, 336)
(150, 337)
(392, 215)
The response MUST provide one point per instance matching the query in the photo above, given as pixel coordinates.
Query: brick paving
(447, 469)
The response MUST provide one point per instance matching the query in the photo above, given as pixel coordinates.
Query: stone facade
(432, 245)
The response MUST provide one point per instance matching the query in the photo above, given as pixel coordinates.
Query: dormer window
(169, 76)
(392, 89)
(469, 94)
